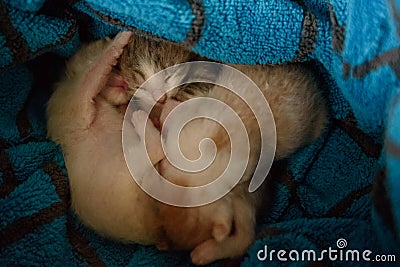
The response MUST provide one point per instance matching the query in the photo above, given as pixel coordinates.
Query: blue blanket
(340, 193)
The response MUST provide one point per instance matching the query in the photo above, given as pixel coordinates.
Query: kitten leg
(72, 104)
(233, 246)
(95, 79)
(140, 120)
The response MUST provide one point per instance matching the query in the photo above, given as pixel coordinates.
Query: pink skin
(116, 90)
(162, 99)
(117, 81)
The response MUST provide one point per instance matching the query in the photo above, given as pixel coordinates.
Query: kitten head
(142, 58)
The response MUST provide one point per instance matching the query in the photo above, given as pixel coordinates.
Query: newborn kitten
(85, 116)
(87, 125)
(300, 117)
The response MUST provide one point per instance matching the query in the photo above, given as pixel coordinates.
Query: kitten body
(85, 116)
(300, 116)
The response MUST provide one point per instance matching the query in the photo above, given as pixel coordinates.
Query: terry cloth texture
(344, 186)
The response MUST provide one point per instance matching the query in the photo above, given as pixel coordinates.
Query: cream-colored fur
(300, 117)
(85, 117)
(88, 128)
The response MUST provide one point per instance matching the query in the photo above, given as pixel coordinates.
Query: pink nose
(116, 80)
(162, 99)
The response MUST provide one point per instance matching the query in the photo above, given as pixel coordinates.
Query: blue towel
(340, 193)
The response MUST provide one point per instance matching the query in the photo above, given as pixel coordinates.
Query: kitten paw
(205, 253)
(97, 75)
(221, 231)
(122, 39)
